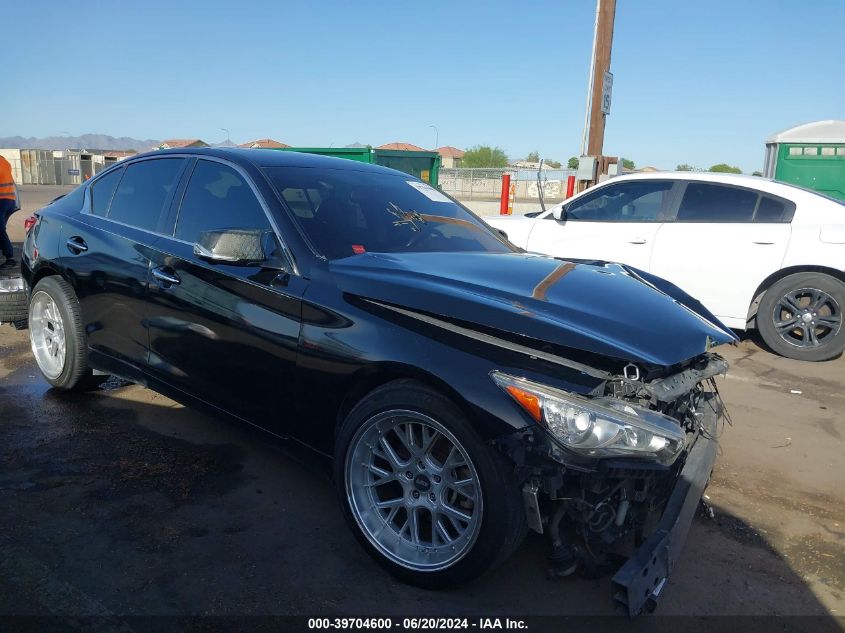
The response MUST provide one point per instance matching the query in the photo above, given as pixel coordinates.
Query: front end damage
(612, 373)
(625, 513)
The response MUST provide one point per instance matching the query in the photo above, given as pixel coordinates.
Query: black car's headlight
(596, 427)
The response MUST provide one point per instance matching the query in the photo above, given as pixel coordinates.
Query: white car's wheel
(800, 317)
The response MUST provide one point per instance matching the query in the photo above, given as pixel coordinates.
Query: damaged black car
(466, 391)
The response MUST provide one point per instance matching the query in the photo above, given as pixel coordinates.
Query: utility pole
(601, 64)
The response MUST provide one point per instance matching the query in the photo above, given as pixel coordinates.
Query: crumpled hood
(607, 309)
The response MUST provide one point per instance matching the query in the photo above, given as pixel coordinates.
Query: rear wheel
(424, 495)
(57, 337)
(800, 317)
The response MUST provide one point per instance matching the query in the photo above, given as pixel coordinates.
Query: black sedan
(466, 391)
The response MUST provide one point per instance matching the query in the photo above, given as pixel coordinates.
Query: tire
(59, 336)
(13, 306)
(498, 522)
(820, 335)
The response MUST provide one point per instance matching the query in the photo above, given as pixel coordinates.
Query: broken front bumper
(639, 582)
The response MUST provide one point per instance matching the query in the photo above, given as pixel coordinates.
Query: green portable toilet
(810, 155)
(423, 165)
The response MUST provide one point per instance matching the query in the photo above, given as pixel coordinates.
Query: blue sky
(694, 82)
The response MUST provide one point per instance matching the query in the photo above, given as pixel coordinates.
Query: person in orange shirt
(8, 205)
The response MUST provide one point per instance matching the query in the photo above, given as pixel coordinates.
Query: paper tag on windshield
(428, 191)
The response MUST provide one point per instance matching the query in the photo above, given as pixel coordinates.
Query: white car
(755, 252)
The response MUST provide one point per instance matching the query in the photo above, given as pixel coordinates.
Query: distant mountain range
(86, 141)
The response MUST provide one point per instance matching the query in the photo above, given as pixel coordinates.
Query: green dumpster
(423, 165)
(810, 155)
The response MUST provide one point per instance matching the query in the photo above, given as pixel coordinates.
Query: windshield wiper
(405, 217)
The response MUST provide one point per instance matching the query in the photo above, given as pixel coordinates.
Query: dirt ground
(125, 502)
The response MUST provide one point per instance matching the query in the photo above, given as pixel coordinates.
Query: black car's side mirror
(232, 246)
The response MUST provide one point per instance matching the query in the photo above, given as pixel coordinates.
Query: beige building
(450, 157)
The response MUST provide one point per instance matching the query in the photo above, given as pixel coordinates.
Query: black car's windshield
(347, 212)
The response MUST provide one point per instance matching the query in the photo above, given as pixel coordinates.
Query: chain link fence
(46, 167)
(473, 183)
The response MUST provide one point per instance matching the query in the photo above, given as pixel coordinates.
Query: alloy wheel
(47, 334)
(807, 317)
(413, 490)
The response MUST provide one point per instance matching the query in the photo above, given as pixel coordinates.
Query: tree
(533, 157)
(484, 156)
(724, 168)
(572, 163)
(554, 164)
(685, 167)
(627, 163)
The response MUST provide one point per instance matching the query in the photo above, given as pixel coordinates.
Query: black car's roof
(277, 158)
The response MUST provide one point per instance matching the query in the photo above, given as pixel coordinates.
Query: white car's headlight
(596, 427)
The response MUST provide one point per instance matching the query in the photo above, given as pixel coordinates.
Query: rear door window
(218, 197)
(774, 210)
(706, 202)
(145, 187)
(102, 190)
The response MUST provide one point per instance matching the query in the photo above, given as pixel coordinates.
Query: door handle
(165, 277)
(762, 242)
(637, 240)
(76, 245)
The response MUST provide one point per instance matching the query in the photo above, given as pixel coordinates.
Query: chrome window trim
(119, 223)
(135, 228)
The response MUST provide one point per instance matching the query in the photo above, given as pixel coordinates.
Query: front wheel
(57, 337)
(423, 494)
(800, 317)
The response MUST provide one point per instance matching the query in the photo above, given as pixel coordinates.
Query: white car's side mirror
(558, 213)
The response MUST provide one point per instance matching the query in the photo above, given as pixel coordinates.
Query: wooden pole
(604, 44)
